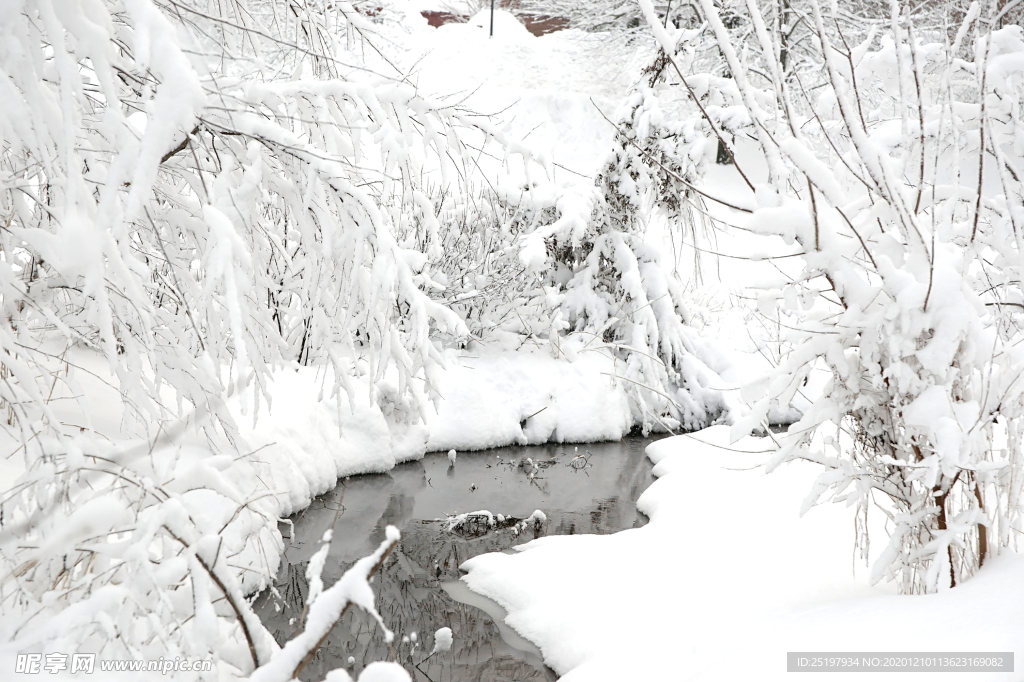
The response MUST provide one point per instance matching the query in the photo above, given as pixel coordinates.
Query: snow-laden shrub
(602, 252)
(579, 260)
(901, 181)
(625, 291)
(621, 23)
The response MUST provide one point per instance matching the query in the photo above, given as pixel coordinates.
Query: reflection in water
(411, 590)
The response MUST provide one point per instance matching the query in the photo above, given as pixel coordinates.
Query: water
(418, 591)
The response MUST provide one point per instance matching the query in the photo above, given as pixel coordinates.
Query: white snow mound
(506, 26)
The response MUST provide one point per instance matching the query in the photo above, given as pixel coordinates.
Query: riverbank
(231, 494)
(486, 502)
(727, 577)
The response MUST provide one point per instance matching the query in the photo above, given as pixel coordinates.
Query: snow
(720, 588)
(384, 671)
(494, 398)
(725, 578)
(316, 567)
(308, 443)
(506, 27)
(442, 641)
(378, 671)
(543, 90)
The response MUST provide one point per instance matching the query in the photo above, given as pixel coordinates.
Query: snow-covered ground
(727, 578)
(548, 91)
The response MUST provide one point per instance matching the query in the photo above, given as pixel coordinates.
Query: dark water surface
(417, 591)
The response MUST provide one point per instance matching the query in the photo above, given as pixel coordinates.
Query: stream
(419, 591)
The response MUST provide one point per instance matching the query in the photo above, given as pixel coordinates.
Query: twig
(312, 652)
(673, 174)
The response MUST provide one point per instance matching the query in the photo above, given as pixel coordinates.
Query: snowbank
(506, 26)
(494, 398)
(305, 440)
(307, 444)
(727, 578)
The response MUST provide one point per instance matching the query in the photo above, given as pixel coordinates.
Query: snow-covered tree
(901, 182)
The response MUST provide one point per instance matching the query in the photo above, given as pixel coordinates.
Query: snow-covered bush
(901, 182)
(579, 261)
(604, 16)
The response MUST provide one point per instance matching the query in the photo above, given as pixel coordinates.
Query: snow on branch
(327, 610)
